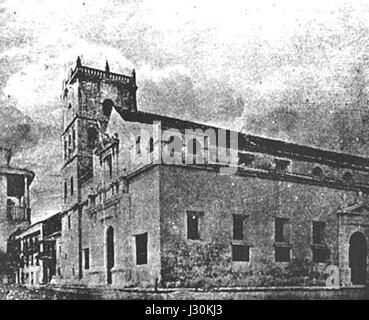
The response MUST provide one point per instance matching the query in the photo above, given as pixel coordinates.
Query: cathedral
(150, 200)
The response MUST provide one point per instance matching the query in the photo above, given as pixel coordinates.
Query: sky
(193, 59)
(257, 48)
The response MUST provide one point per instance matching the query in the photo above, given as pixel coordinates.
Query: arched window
(91, 137)
(109, 253)
(107, 107)
(318, 174)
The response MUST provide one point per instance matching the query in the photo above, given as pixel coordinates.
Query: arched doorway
(109, 253)
(358, 258)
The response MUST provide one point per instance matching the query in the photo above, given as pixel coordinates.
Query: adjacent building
(15, 211)
(35, 252)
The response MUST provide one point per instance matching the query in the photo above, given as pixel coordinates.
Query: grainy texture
(99, 205)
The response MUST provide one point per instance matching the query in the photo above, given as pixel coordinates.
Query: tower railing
(101, 74)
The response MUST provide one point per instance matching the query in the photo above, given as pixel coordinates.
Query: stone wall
(209, 260)
(129, 214)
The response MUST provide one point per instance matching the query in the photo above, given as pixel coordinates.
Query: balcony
(18, 213)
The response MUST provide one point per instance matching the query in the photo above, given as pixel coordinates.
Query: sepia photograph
(172, 150)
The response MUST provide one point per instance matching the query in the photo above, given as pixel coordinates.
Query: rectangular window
(318, 232)
(282, 230)
(71, 186)
(138, 145)
(69, 144)
(73, 139)
(65, 191)
(141, 248)
(282, 254)
(238, 221)
(87, 258)
(65, 149)
(193, 225)
(69, 223)
(320, 255)
(240, 253)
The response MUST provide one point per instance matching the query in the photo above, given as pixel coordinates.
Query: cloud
(239, 43)
(38, 85)
(200, 59)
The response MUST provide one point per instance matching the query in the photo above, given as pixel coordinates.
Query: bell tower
(88, 96)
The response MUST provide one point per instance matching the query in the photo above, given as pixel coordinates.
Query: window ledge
(282, 245)
(195, 240)
(242, 243)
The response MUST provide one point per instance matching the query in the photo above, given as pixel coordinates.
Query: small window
(318, 174)
(282, 254)
(138, 145)
(193, 232)
(73, 139)
(69, 222)
(91, 137)
(65, 149)
(151, 145)
(238, 221)
(318, 232)
(70, 106)
(282, 230)
(320, 255)
(107, 107)
(240, 253)
(87, 258)
(71, 186)
(65, 191)
(141, 248)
